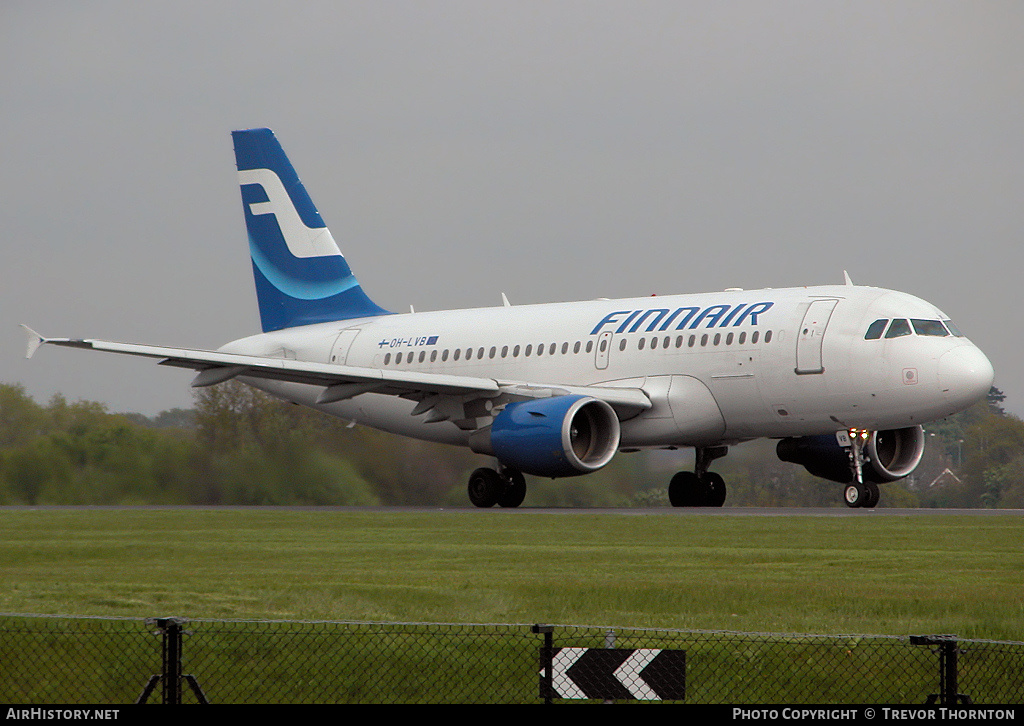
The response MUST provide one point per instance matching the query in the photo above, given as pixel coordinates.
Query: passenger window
(898, 328)
(398, 358)
(767, 336)
(387, 358)
(455, 356)
(590, 345)
(743, 338)
(640, 343)
(551, 350)
(565, 348)
(622, 344)
(576, 348)
(754, 337)
(875, 329)
(929, 327)
(515, 352)
(504, 351)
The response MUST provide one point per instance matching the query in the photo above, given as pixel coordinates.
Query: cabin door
(339, 351)
(811, 335)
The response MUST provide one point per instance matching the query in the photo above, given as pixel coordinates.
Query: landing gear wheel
(873, 496)
(689, 490)
(485, 487)
(515, 490)
(714, 489)
(685, 490)
(856, 495)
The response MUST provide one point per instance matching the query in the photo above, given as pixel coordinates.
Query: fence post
(948, 694)
(170, 670)
(609, 643)
(546, 657)
(171, 628)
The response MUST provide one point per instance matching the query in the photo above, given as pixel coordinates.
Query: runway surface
(569, 511)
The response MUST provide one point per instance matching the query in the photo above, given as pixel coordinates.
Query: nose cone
(965, 375)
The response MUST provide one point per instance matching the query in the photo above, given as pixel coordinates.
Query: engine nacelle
(889, 455)
(559, 436)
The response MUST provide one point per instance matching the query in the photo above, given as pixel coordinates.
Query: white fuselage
(718, 367)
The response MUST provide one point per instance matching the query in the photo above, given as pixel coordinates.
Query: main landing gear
(505, 487)
(699, 488)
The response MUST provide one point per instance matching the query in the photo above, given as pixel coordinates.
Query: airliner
(843, 376)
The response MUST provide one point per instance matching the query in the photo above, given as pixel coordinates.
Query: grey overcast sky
(549, 150)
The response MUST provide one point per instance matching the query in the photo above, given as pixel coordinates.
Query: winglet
(846, 278)
(34, 341)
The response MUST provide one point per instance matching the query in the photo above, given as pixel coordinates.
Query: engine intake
(889, 455)
(554, 437)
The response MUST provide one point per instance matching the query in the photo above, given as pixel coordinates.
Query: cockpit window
(929, 327)
(875, 329)
(898, 328)
(953, 329)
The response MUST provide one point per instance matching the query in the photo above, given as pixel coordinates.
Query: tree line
(239, 446)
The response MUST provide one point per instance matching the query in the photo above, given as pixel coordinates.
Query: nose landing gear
(863, 494)
(859, 493)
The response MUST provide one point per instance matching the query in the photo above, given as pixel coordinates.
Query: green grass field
(824, 575)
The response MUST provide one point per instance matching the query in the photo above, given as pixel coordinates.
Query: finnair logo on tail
(302, 241)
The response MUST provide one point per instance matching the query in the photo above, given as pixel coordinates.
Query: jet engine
(889, 455)
(553, 437)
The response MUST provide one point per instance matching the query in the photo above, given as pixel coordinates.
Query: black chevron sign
(643, 674)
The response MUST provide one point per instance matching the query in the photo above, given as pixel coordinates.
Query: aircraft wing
(341, 382)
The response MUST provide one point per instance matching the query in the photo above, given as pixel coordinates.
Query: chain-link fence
(45, 659)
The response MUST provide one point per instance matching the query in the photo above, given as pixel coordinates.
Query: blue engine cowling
(889, 455)
(558, 436)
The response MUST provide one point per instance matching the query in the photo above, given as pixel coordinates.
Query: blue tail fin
(301, 276)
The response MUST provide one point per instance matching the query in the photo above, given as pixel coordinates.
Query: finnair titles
(843, 376)
(715, 315)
